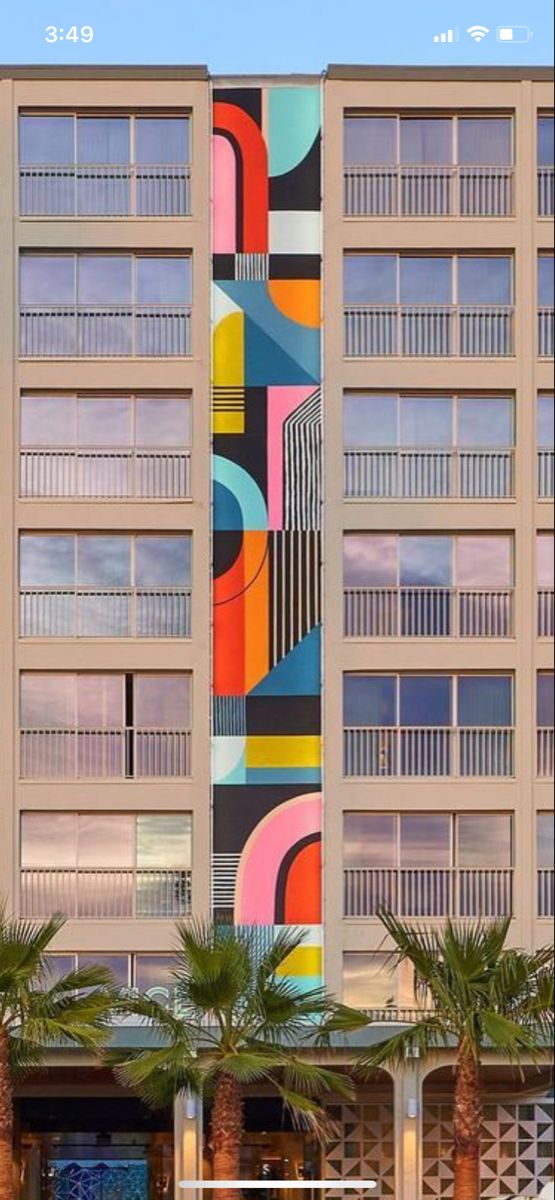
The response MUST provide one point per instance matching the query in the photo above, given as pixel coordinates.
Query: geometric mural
(98, 1180)
(517, 1149)
(267, 480)
(364, 1149)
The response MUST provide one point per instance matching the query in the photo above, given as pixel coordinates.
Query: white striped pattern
(303, 465)
(229, 716)
(224, 879)
(252, 267)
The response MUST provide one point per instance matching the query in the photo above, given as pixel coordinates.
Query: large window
(545, 724)
(104, 305)
(104, 165)
(545, 578)
(93, 725)
(428, 724)
(546, 299)
(373, 981)
(106, 864)
(427, 585)
(406, 279)
(545, 154)
(149, 974)
(433, 864)
(105, 585)
(545, 425)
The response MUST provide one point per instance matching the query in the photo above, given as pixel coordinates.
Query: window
(545, 421)
(545, 828)
(545, 554)
(427, 700)
(153, 974)
(485, 141)
(484, 841)
(485, 700)
(544, 700)
(546, 156)
(545, 281)
(427, 560)
(474, 279)
(99, 279)
(368, 980)
(384, 140)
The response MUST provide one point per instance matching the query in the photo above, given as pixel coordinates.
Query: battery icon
(513, 33)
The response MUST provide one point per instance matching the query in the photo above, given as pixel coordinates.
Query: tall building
(328, 303)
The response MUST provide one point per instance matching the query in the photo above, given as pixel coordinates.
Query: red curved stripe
(230, 119)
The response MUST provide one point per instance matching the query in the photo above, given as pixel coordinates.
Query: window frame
(455, 116)
(454, 397)
(453, 676)
(132, 116)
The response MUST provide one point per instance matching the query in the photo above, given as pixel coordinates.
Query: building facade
(276, 495)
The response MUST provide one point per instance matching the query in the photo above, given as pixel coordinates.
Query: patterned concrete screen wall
(517, 1150)
(266, 470)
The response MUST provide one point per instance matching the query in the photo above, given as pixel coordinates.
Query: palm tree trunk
(467, 1126)
(226, 1128)
(6, 1122)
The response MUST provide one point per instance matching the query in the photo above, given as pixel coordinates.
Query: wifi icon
(478, 32)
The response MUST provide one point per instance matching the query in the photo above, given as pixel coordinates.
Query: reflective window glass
(103, 140)
(425, 700)
(484, 560)
(162, 701)
(369, 420)
(370, 278)
(369, 700)
(162, 560)
(546, 840)
(154, 972)
(425, 561)
(487, 280)
(105, 840)
(544, 703)
(104, 279)
(368, 980)
(164, 841)
(545, 555)
(46, 559)
(47, 279)
(48, 839)
(425, 840)
(58, 965)
(425, 421)
(48, 421)
(546, 280)
(160, 140)
(100, 701)
(485, 141)
(105, 422)
(545, 141)
(370, 839)
(46, 139)
(485, 421)
(426, 141)
(426, 280)
(47, 701)
(370, 140)
(369, 560)
(484, 700)
(104, 560)
(484, 840)
(163, 422)
(545, 421)
(163, 280)
(117, 964)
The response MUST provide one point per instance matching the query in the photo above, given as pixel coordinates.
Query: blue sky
(256, 36)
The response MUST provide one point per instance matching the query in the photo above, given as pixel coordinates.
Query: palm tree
(478, 994)
(237, 1021)
(37, 1013)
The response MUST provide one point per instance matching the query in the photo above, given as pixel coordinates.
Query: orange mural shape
(241, 619)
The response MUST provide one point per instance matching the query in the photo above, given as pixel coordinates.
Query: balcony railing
(546, 893)
(395, 191)
(439, 892)
(428, 752)
(546, 191)
(99, 893)
(545, 742)
(546, 474)
(427, 612)
(546, 339)
(105, 612)
(104, 753)
(105, 190)
(60, 472)
(437, 331)
(546, 612)
(108, 331)
(415, 473)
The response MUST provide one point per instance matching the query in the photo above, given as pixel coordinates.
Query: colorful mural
(267, 512)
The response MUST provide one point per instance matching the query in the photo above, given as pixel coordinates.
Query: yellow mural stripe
(305, 960)
(304, 751)
(228, 422)
(228, 351)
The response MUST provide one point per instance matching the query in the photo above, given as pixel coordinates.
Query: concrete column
(407, 1107)
(187, 1127)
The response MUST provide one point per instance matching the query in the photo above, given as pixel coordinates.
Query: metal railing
(104, 753)
(427, 612)
(546, 474)
(428, 191)
(416, 473)
(105, 331)
(546, 612)
(430, 892)
(546, 191)
(545, 752)
(105, 612)
(546, 330)
(470, 331)
(101, 893)
(81, 472)
(428, 752)
(546, 892)
(105, 190)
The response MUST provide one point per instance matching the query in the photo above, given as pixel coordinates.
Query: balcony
(545, 753)
(546, 474)
(395, 191)
(100, 894)
(81, 473)
(546, 612)
(546, 191)
(546, 893)
(546, 339)
(411, 474)
(97, 754)
(447, 892)
(435, 331)
(427, 752)
(105, 190)
(112, 331)
(427, 612)
(105, 612)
